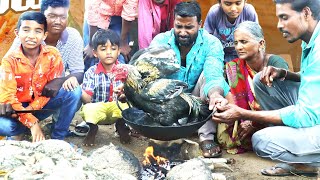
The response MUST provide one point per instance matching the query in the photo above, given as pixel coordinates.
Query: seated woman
(250, 46)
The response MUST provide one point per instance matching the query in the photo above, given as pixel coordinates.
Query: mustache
(283, 31)
(184, 36)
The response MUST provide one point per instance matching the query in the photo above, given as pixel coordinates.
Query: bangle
(284, 77)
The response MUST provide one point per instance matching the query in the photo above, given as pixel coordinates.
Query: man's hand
(227, 114)
(125, 51)
(245, 129)
(70, 84)
(52, 88)
(36, 133)
(7, 110)
(268, 74)
(87, 52)
(216, 99)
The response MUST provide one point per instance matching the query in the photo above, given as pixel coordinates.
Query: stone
(193, 169)
(111, 157)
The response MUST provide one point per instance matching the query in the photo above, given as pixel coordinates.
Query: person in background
(114, 15)
(155, 16)
(289, 99)
(250, 45)
(200, 56)
(223, 18)
(99, 88)
(24, 74)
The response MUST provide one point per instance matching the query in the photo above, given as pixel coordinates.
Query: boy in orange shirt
(23, 75)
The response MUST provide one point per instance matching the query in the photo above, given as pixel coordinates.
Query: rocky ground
(245, 166)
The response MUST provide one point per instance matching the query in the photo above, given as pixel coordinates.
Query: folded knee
(256, 80)
(260, 143)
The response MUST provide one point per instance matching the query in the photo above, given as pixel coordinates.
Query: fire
(150, 159)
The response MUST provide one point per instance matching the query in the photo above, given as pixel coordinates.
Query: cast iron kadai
(135, 118)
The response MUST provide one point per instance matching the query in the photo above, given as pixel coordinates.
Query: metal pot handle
(117, 102)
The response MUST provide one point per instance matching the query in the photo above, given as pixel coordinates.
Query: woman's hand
(245, 129)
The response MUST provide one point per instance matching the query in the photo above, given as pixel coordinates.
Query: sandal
(81, 129)
(284, 169)
(208, 148)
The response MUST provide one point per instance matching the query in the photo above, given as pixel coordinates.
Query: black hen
(163, 99)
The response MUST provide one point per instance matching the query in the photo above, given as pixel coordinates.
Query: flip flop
(81, 129)
(207, 147)
(289, 171)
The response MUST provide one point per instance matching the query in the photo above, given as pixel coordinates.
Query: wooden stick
(235, 129)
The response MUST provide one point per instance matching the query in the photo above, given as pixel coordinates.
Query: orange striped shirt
(20, 81)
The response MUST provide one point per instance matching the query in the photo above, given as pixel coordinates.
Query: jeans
(68, 102)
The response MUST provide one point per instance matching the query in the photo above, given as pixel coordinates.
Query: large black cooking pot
(138, 120)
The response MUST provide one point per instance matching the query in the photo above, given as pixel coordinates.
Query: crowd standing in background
(154, 17)
(115, 15)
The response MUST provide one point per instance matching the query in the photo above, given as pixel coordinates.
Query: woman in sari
(250, 46)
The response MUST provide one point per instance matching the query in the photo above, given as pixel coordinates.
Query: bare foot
(91, 136)
(123, 131)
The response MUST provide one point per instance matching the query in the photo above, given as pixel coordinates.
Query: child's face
(31, 34)
(232, 8)
(107, 53)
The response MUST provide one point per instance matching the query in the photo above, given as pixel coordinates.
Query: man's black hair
(102, 36)
(53, 3)
(298, 5)
(33, 16)
(188, 9)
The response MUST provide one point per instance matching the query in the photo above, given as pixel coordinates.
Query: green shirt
(306, 111)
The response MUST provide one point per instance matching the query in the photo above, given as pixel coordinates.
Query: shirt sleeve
(306, 111)
(129, 11)
(8, 89)
(159, 39)
(56, 70)
(210, 22)
(213, 67)
(88, 82)
(252, 14)
(278, 61)
(74, 60)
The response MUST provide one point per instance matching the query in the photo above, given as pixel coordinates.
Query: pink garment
(149, 17)
(100, 11)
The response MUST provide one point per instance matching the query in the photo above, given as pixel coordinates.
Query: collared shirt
(205, 55)
(20, 81)
(99, 84)
(306, 111)
(100, 11)
(70, 46)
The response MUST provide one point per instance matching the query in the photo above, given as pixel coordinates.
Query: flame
(150, 158)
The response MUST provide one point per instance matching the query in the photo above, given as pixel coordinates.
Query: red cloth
(154, 19)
